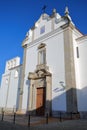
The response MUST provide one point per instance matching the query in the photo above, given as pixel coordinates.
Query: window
(42, 29)
(14, 63)
(8, 65)
(6, 81)
(16, 74)
(41, 54)
(42, 57)
(11, 64)
(77, 51)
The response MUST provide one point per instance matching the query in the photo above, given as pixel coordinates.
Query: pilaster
(71, 97)
(22, 80)
(31, 93)
(48, 94)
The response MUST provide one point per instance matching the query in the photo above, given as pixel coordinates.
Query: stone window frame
(16, 74)
(42, 29)
(14, 62)
(77, 52)
(6, 81)
(11, 63)
(8, 65)
(42, 49)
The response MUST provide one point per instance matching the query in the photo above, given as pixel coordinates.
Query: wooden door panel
(40, 102)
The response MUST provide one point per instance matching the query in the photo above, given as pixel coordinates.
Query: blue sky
(17, 16)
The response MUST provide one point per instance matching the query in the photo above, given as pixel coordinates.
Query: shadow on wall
(75, 101)
(41, 110)
(28, 97)
(82, 98)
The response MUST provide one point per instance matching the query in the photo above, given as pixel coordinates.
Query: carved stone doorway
(40, 94)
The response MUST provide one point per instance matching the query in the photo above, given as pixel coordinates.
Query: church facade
(53, 76)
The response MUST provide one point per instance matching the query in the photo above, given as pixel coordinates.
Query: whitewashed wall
(9, 90)
(53, 38)
(82, 64)
(3, 89)
(55, 61)
(13, 89)
(31, 62)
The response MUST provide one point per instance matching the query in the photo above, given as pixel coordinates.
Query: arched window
(41, 54)
(16, 74)
(11, 64)
(6, 81)
(8, 65)
(14, 63)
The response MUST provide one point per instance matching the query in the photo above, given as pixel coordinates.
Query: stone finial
(66, 11)
(54, 11)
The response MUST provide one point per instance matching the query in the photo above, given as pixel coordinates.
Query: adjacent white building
(10, 85)
(53, 76)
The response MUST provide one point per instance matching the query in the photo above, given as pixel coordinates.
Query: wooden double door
(40, 101)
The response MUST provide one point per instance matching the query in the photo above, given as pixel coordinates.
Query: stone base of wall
(60, 113)
(83, 115)
(33, 113)
(21, 112)
(65, 115)
(7, 110)
(12, 110)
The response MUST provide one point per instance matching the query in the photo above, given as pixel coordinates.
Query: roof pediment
(45, 24)
(43, 18)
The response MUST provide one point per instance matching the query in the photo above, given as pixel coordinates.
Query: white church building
(53, 76)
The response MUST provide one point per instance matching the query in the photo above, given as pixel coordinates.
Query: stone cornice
(45, 37)
(69, 24)
(52, 33)
(35, 76)
(16, 67)
(6, 74)
(84, 37)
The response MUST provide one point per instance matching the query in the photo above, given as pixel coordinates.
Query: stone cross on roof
(44, 8)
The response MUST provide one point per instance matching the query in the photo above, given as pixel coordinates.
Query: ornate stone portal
(41, 79)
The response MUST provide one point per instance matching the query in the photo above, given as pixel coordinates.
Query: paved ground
(65, 125)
